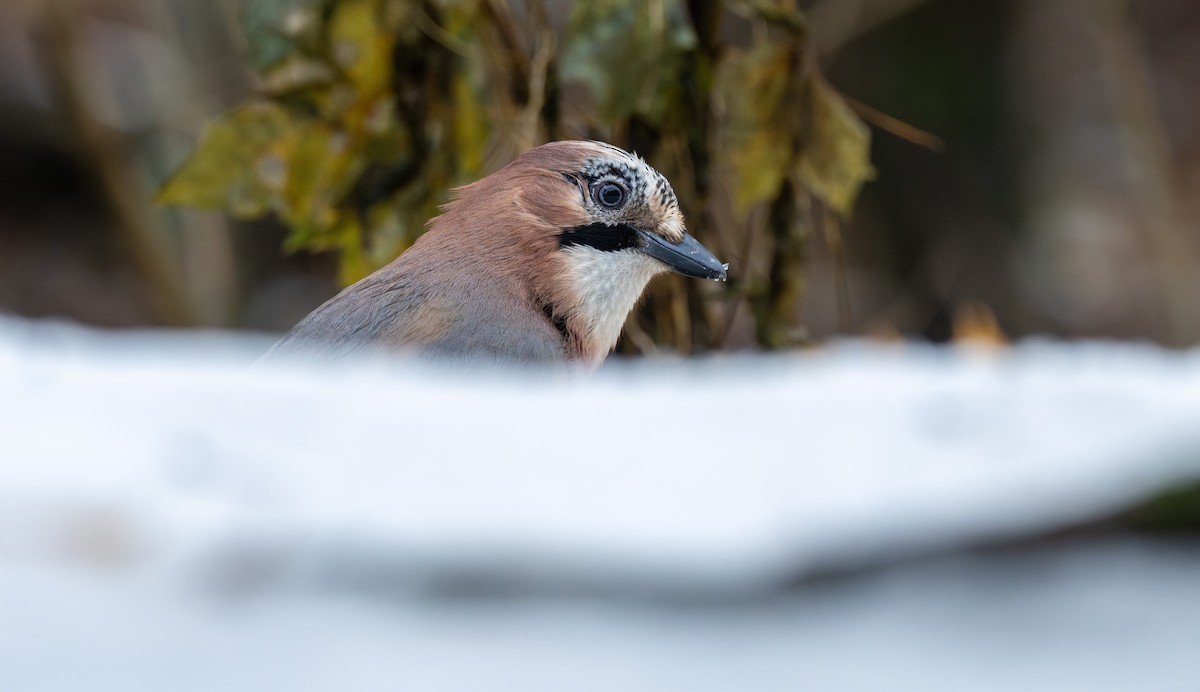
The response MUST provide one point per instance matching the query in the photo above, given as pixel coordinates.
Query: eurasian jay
(538, 263)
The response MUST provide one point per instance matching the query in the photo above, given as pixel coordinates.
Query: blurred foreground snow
(174, 517)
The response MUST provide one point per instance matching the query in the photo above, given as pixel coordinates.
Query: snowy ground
(174, 517)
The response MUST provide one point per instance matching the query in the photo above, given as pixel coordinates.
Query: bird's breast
(604, 286)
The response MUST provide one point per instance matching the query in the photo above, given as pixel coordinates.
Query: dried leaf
(779, 117)
(835, 158)
(975, 324)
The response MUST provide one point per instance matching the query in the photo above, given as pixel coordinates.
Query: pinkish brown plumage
(539, 262)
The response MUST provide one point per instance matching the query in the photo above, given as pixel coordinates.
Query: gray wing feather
(453, 323)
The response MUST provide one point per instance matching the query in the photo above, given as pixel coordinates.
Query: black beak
(689, 257)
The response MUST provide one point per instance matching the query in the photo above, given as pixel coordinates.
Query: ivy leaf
(234, 166)
(835, 159)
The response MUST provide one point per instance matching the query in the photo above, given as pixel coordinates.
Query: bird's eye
(610, 195)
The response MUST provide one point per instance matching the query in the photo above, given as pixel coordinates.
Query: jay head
(539, 262)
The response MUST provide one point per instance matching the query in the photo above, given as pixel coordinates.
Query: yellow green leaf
(233, 166)
(755, 90)
(321, 168)
(470, 129)
(625, 52)
(835, 158)
(361, 46)
(779, 116)
(352, 261)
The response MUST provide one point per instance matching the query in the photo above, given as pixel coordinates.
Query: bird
(538, 263)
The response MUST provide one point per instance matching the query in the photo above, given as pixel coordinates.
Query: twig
(895, 126)
(444, 38)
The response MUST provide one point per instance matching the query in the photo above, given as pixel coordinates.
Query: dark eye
(610, 195)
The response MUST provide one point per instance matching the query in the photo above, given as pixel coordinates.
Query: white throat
(607, 285)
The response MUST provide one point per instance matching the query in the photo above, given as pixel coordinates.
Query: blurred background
(1032, 165)
(857, 516)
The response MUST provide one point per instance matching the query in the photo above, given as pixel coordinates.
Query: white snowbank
(147, 480)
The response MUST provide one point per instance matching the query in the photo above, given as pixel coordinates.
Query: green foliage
(370, 110)
(760, 91)
(835, 150)
(234, 167)
(327, 120)
(280, 28)
(628, 54)
(782, 118)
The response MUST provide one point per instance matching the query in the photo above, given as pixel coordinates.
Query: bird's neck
(601, 288)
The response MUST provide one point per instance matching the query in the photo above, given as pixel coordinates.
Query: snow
(175, 515)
